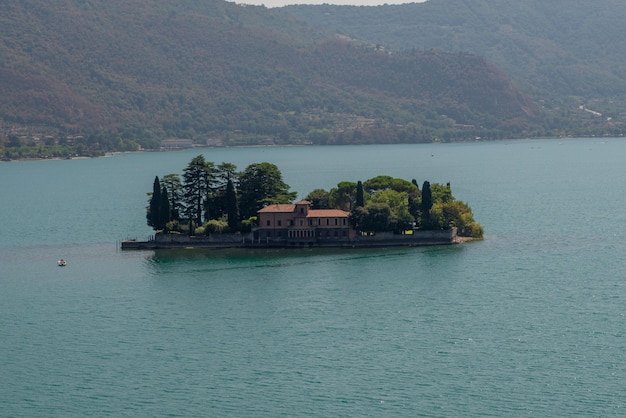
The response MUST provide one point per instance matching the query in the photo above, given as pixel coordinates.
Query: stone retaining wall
(381, 239)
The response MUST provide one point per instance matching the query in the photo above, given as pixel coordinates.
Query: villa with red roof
(299, 224)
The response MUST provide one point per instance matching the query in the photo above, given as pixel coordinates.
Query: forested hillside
(98, 75)
(552, 49)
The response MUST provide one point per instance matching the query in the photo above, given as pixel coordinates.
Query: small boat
(62, 263)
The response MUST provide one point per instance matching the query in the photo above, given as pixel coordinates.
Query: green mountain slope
(112, 70)
(556, 48)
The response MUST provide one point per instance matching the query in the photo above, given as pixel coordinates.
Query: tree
(259, 185)
(197, 179)
(427, 203)
(375, 217)
(357, 217)
(392, 198)
(401, 185)
(14, 141)
(455, 213)
(164, 209)
(398, 203)
(343, 196)
(216, 205)
(403, 220)
(212, 211)
(225, 172)
(378, 183)
(158, 211)
(319, 199)
(152, 215)
(360, 198)
(441, 193)
(232, 210)
(414, 205)
(172, 184)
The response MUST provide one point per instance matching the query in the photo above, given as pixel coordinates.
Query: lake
(528, 322)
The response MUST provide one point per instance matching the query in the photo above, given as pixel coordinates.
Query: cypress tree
(427, 203)
(360, 198)
(152, 215)
(427, 198)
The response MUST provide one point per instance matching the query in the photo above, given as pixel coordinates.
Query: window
(327, 221)
(267, 222)
(336, 221)
(280, 222)
(344, 221)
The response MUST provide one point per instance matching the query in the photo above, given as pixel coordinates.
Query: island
(214, 206)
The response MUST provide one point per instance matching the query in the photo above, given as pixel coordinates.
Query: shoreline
(248, 241)
(113, 153)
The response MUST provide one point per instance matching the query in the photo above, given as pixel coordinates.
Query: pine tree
(261, 184)
(216, 204)
(196, 185)
(232, 211)
(164, 209)
(172, 184)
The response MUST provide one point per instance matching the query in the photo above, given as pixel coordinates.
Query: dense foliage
(97, 76)
(384, 203)
(216, 199)
(392, 204)
(210, 198)
(259, 185)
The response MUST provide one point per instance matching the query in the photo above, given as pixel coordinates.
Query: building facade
(298, 224)
(170, 144)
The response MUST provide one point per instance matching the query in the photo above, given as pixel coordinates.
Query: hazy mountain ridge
(556, 48)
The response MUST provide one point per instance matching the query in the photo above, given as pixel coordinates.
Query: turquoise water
(528, 322)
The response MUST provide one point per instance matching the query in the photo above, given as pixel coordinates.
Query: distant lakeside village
(43, 142)
(215, 206)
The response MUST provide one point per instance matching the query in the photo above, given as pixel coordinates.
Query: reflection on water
(231, 259)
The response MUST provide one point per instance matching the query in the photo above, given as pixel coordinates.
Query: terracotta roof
(278, 208)
(312, 213)
(327, 213)
(303, 202)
